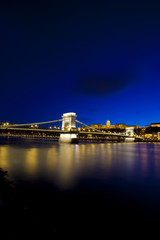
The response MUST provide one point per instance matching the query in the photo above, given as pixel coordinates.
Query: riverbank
(80, 140)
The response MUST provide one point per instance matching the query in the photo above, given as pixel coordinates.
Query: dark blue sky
(100, 59)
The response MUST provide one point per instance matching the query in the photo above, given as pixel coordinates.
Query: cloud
(101, 85)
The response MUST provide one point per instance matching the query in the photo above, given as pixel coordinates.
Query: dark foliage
(5, 185)
(151, 130)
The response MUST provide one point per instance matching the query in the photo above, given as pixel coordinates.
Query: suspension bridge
(68, 132)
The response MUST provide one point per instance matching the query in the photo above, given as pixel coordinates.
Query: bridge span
(68, 131)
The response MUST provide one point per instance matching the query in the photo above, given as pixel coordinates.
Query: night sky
(100, 59)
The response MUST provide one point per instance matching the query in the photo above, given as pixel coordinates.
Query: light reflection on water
(65, 164)
(103, 187)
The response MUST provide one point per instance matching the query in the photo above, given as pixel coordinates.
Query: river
(83, 188)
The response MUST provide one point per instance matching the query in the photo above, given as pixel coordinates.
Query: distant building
(148, 136)
(97, 126)
(134, 126)
(120, 125)
(154, 125)
(108, 123)
(85, 128)
(109, 126)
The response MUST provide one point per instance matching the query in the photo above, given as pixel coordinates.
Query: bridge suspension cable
(88, 126)
(28, 124)
(82, 123)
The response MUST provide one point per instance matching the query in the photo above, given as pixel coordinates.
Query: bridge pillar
(69, 124)
(129, 134)
(69, 121)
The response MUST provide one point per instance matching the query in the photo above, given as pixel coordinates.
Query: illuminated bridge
(68, 132)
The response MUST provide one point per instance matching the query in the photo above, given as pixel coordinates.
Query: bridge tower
(130, 134)
(68, 122)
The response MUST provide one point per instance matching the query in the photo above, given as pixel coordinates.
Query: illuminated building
(97, 126)
(154, 125)
(120, 125)
(148, 136)
(108, 123)
(108, 127)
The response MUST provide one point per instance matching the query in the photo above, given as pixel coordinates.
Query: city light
(96, 131)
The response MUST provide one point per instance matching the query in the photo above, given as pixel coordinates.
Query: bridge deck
(98, 133)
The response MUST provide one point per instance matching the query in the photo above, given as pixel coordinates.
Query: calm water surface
(118, 181)
(65, 164)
